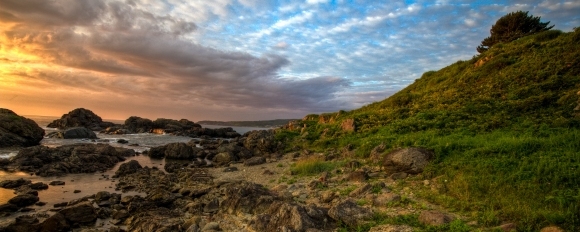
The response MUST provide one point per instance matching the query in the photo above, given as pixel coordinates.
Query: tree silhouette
(511, 27)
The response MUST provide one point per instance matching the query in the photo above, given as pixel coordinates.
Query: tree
(511, 27)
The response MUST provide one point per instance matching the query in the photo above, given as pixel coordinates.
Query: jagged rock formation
(80, 118)
(18, 131)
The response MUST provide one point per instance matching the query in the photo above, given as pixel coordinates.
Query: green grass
(312, 166)
(504, 133)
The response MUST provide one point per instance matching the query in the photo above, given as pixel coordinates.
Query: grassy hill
(502, 125)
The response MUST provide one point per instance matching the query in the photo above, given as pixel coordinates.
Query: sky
(235, 59)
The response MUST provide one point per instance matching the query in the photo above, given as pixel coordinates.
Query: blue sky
(237, 60)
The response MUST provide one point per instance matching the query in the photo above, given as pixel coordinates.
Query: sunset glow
(234, 60)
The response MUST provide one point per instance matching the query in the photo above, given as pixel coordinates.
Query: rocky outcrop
(82, 213)
(74, 133)
(128, 168)
(76, 158)
(11, 184)
(283, 216)
(261, 142)
(23, 200)
(80, 118)
(348, 125)
(407, 160)
(136, 124)
(181, 151)
(350, 213)
(18, 131)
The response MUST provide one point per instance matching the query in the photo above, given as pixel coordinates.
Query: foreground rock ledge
(18, 131)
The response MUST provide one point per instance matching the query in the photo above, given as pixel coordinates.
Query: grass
(504, 132)
(312, 166)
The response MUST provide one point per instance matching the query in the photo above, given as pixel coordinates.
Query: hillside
(502, 125)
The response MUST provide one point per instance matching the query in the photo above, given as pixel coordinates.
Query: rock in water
(128, 168)
(82, 213)
(74, 133)
(23, 200)
(16, 131)
(80, 118)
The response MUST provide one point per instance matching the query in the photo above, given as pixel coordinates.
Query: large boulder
(23, 200)
(180, 151)
(12, 184)
(74, 133)
(128, 168)
(18, 131)
(283, 216)
(410, 160)
(82, 213)
(261, 142)
(76, 158)
(80, 118)
(136, 124)
(350, 213)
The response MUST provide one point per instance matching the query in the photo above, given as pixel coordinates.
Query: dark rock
(62, 204)
(38, 186)
(81, 213)
(350, 213)
(128, 168)
(80, 118)
(56, 182)
(76, 191)
(136, 124)
(120, 214)
(161, 197)
(174, 166)
(236, 150)
(12, 184)
(122, 141)
(409, 160)
(180, 151)
(40, 203)
(76, 158)
(102, 196)
(23, 200)
(24, 223)
(224, 158)
(18, 131)
(157, 152)
(56, 222)
(212, 207)
(257, 160)
(74, 133)
(434, 218)
(8, 207)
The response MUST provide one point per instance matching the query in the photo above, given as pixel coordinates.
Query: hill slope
(502, 125)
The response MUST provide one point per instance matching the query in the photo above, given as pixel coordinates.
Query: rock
(136, 124)
(350, 213)
(377, 153)
(283, 216)
(357, 176)
(127, 168)
(236, 150)
(80, 118)
(434, 218)
(24, 223)
(172, 167)
(102, 196)
(257, 160)
(398, 175)
(12, 184)
(62, 204)
(180, 151)
(360, 190)
(386, 198)
(78, 133)
(409, 160)
(157, 152)
(56, 222)
(552, 229)
(261, 142)
(4, 208)
(348, 125)
(392, 228)
(327, 196)
(23, 200)
(82, 213)
(76, 191)
(18, 131)
(211, 226)
(224, 158)
(122, 141)
(38, 186)
(76, 158)
(56, 182)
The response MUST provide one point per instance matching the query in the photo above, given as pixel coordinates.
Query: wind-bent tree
(511, 27)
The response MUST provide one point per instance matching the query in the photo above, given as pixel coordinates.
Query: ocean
(89, 183)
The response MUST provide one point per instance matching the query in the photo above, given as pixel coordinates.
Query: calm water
(90, 183)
